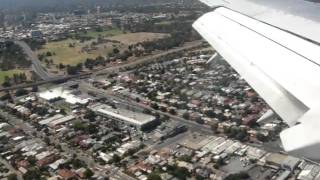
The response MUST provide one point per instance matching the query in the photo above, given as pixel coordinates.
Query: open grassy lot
(9, 74)
(108, 33)
(73, 55)
(133, 38)
(72, 52)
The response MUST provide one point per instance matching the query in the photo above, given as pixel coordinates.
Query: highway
(49, 78)
(36, 64)
(150, 58)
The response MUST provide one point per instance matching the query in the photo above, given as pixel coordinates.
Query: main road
(151, 58)
(36, 64)
(48, 78)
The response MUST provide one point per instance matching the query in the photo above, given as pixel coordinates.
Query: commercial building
(50, 119)
(61, 120)
(60, 92)
(136, 119)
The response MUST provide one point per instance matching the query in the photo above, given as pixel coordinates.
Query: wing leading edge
(280, 66)
(299, 16)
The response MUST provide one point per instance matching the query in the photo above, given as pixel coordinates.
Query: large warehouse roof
(136, 118)
(63, 93)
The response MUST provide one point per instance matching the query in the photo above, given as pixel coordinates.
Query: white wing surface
(282, 67)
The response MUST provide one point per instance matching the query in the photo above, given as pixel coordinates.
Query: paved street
(36, 64)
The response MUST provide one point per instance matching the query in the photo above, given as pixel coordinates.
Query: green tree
(88, 173)
(181, 173)
(116, 158)
(6, 83)
(90, 115)
(92, 129)
(172, 111)
(61, 66)
(21, 92)
(78, 126)
(32, 160)
(116, 51)
(262, 137)
(48, 53)
(12, 177)
(154, 176)
(199, 120)
(77, 163)
(186, 115)
(185, 158)
(238, 176)
(72, 70)
(155, 106)
(33, 173)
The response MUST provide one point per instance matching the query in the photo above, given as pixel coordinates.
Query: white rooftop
(48, 120)
(62, 120)
(124, 115)
(63, 93)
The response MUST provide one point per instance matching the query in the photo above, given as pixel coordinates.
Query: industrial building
(60, 92)
(61, 120)
(50, 119)
(139, 120)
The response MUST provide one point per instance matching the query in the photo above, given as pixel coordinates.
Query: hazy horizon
(65, 4)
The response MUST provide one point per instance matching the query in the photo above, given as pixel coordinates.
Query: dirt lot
(133, 38)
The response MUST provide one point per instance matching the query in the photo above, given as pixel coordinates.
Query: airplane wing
(299, 16)
(283, 67)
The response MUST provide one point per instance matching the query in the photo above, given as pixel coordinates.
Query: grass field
(133, 38)
(73, 55)
(8, 73)
(95, 34)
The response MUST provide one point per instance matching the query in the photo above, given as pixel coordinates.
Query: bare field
(134, 38)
